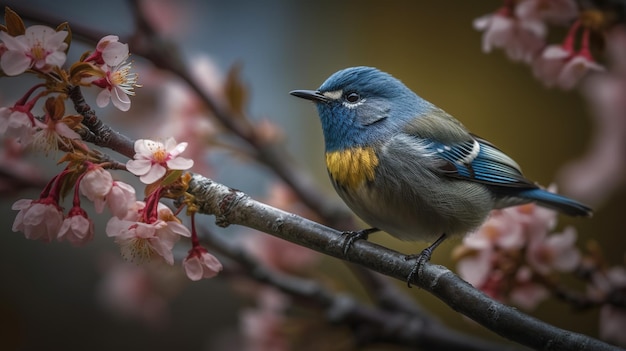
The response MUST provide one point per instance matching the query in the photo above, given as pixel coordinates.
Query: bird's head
(360, 105)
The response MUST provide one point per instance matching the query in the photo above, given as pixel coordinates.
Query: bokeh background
(49, 293)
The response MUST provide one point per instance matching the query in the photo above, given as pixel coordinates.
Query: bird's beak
(312, 95)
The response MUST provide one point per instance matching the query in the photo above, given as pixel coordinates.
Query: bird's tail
(558, 202)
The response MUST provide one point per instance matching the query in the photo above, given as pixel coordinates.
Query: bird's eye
(353, 97)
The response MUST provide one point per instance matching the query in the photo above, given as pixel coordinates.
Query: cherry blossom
(153, 159)
(109, 51)
(119, 83)
(520, 38)
(504, 255)
(608, 283)
(199, 264)
(38, 219)
(596, 174)
(96, 185)
(563, 66)
(14, 122)
(550, 11)
(527, 293)
(77, 228)
(120, 199)
(555, 252)
(142, 237)
(131, 291)
(264, 325)
(40, 47)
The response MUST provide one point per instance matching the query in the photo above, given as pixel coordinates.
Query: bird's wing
(464, 155)
(480, 161)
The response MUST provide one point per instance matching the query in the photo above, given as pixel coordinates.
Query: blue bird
(407, 167)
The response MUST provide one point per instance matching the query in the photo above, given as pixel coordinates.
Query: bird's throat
(353, 166)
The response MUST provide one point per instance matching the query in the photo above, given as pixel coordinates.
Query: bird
(408, 168)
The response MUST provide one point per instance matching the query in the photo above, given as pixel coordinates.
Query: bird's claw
(420, 260)
(352, 236)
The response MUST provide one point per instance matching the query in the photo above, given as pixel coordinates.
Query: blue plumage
(432, 178)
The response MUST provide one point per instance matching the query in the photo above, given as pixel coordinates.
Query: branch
(230, 206)
(371, 324)
(99, 134)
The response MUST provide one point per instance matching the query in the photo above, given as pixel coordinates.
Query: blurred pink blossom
(38, 219)
(527, 293)
(554, 252)
(550, 11)
(40, 47)
(264, 326)
(129, 291)
(612, 318)
(17, 172)
(18, 124)
(169, 17)
(514, 244)
(520, 38)
(595, 176)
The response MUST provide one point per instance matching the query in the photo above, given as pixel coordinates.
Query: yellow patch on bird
(352, 167)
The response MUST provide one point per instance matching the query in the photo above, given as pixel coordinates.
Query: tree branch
(371, 324)
(230, 206)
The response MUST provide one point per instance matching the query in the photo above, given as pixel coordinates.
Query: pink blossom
(557, 12)
(19, 172)
(141, 241)
(40, 47)
(168, 18)
(493, 260)
(596, 174)
(96, 185)
(16, 123)
(53, 133)
(118, 84)
(38, 219)
(264, 326)
(564, 66)
(77, 228)
(130, 291)
(612, 318)
(521, 39)
(120, 199)
(527, 293)
(152, 159)
(555, 252)
(199, 264)
(109, 51)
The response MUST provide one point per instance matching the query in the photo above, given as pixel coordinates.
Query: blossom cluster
(520, 28)
(145, 230)
(516, 257)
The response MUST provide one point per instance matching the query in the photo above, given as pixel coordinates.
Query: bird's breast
(352, 167)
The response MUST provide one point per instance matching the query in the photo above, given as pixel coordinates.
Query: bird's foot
(421, 259)
(352, 236)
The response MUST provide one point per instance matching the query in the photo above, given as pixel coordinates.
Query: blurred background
(51, 294)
